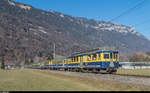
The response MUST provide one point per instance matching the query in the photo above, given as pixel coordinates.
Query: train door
(111, 60)
(81, 62)
(64, 61)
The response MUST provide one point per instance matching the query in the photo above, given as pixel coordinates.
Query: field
(35, 80)
(145, 72)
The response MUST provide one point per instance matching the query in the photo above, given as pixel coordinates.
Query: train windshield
(111, 55)
(115, 55)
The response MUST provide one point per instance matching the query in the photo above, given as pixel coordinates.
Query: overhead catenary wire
(141, 23)
(129, 10)
(146, 28)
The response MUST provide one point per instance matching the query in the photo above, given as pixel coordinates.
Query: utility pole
(54, 51)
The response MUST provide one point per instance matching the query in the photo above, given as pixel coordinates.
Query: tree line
(136, 57)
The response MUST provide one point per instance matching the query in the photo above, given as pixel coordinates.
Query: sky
(102, 10)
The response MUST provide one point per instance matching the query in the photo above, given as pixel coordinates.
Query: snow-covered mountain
(25, 28)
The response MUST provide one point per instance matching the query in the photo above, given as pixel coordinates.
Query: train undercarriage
(88, 70)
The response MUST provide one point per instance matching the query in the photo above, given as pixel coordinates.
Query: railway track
(143, 76)
(122, 78)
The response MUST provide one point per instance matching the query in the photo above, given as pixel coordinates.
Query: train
(96, 60)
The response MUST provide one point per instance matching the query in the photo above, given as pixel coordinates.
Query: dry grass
(35, 80)
(145, 72)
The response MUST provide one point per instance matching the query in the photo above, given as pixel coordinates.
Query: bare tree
(139, 57)
(3, 53)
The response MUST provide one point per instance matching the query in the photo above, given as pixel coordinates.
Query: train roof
(57, 59)
(92, 52)
(97, 50)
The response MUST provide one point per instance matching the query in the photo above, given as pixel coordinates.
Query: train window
(94, 56)
(116, 55)
(111, 55)
(106, 56)
(81, 58)
(73, 59)
(99, 56)
(77, 59)
(89, 57)
(66, 60)
(85, 58)
(69, 60)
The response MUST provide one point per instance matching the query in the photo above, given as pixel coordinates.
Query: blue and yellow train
(97, 60)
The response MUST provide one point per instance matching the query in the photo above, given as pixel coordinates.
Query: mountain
(28, 32)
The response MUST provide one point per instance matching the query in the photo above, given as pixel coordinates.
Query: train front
(111, 61)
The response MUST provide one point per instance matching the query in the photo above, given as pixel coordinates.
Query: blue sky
(101, 10)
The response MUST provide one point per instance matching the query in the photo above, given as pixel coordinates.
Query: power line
(146, 21)
(129, 10)
(146, 28)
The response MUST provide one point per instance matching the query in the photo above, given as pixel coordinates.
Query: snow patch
(35, 33)
(20, 5)
(43, 31)
(116, 24)
(116, 27)
(52, 11)
(40, 27)
(24, 7)
(32, 29)
(61, 15)
(11, 3)
(58, 32)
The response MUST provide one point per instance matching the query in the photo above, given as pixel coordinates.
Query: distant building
(10, 66)
(134, 65)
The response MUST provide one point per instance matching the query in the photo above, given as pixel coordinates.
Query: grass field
(35, 80)
(142, 72)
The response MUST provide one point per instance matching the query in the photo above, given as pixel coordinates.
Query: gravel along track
(118, 78)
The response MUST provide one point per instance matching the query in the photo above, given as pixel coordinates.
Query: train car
(57, 63)
(97, 60)
(106, 61)
(28, 66)
(34, 66)
(45, 64)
